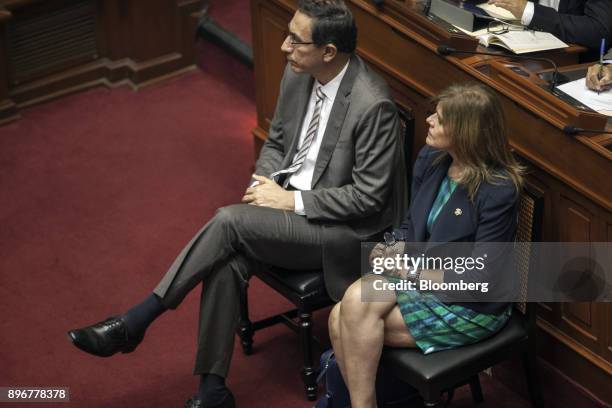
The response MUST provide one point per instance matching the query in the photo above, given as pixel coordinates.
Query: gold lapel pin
(458, 212)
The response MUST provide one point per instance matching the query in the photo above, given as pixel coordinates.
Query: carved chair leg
(308, 371)
(432, 403)
(476, 389)
(431, 397)
(245, 328)
(533, 383)
(450, 394)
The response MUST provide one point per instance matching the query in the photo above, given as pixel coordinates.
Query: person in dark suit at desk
(326, 179)
(599, 77)
(582, 22)
(465, 188)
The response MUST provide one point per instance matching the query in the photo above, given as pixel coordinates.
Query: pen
(602, 50)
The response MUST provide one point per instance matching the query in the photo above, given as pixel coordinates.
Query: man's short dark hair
(332, 23)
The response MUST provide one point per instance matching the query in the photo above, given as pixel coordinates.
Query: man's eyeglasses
(293, 42)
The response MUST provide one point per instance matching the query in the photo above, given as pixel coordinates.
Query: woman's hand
(382, 250)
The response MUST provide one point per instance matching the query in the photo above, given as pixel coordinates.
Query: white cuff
(299, 204)
(528, 14)
(255, 182)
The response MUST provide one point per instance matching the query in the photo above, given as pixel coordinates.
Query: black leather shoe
(228, 402)
(105, 338)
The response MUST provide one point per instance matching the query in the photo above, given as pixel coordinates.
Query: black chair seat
(303, 282)
(305, 289)
(412, 366)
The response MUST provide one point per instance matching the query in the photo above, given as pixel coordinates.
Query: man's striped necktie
(300, 156)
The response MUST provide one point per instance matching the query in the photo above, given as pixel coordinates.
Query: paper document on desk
(601, 103)
(521, 42)
(517, 41)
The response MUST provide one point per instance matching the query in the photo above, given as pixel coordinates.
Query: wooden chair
(443, 371)
(306, 290)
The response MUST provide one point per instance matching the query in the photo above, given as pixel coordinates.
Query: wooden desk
(50, 48)
(572, 174)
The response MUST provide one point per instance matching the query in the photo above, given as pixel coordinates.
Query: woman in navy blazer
(465, 188)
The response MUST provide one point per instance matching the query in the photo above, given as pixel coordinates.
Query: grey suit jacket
(358, 186)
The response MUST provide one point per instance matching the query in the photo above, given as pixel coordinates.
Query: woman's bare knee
(334, 322)
(351, 301)
(396, 331)
(356, 310)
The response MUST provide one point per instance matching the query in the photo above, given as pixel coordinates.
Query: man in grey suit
(328, 177)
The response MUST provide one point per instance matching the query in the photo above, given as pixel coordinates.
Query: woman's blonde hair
(472, 116)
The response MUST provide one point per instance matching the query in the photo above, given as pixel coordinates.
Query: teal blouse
(447, 187)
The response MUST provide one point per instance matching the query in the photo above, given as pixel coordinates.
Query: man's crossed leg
(221, 256)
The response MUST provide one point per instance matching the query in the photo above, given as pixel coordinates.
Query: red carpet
(233, 15)
(100, 190)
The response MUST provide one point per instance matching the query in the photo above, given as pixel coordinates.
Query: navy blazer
(491, 217)
(583, 22)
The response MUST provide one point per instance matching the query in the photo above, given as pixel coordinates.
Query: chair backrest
(407, 132)
(528, 230)
(406, 120)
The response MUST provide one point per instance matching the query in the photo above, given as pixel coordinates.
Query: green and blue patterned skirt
(437, 326)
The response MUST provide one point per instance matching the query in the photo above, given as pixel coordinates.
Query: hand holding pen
(599, 76)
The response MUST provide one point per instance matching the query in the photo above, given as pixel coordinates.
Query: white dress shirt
(302, 179)
(530, 9)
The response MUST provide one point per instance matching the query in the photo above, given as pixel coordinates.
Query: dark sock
(139, 317)
(212, 390)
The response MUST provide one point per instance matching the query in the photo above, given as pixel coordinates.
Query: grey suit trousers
(222, 256)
